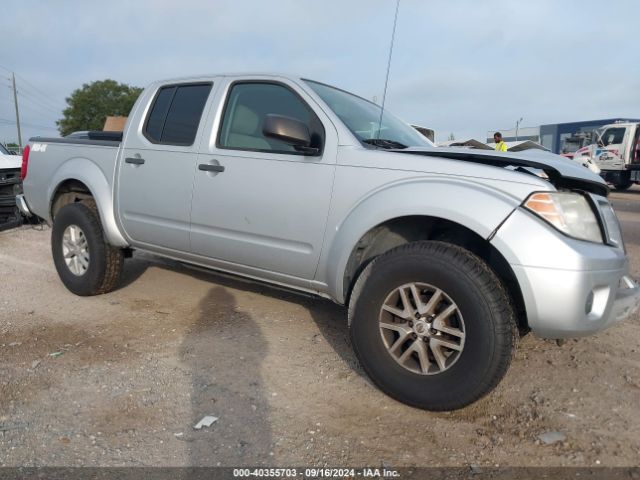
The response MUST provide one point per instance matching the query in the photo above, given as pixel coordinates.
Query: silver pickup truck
(443, 256)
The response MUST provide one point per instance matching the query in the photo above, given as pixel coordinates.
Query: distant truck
(442, 256)
(576, 142)
(616, 153)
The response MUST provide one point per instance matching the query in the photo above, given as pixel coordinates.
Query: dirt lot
(121, 379)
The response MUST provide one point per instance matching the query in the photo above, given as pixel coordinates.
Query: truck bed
(106, 139)
(86, 157)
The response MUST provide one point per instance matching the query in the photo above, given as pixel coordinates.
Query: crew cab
(443, 256)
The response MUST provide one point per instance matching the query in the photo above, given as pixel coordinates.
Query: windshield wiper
(384, 143)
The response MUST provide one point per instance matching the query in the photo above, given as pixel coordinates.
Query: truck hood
(10, 162)
(562, 172)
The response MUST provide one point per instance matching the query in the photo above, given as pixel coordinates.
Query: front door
(258, 202)
(611, 154)
(155, 176)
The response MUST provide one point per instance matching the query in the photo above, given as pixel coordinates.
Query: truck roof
(620, 124)
(192, 78)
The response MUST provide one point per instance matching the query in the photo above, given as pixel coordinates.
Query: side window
(246, 108)
(613, 136)
(175, 114)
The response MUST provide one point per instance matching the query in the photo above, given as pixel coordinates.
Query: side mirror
(290, 131)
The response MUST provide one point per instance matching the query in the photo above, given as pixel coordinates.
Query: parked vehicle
(10, 186)
(442, 255)
(576, 142)
(616, 153)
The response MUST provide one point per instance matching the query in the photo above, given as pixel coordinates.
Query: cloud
(464, 67)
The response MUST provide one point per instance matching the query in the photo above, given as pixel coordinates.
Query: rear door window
(175, 115)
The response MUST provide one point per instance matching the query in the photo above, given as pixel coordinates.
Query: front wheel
(86, 263)
(432, 325)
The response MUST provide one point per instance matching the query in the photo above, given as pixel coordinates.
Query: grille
(10, 186)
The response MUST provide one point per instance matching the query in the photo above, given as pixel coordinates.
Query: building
(553, 136)
(427, 132)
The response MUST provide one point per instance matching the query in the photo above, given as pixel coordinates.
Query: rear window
(175, 114)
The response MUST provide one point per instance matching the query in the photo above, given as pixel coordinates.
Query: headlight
(570, 213)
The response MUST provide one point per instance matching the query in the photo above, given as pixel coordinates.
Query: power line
(31, 97)
(40, 97)
(35, 89)
(34, 109)
(36, 93)
(40, 100)
(4, 121)
(37, 103)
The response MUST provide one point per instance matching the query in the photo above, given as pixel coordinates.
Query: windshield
(362, 117)
(4, 151)
(572, 145)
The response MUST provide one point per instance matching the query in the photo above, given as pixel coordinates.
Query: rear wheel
(86, 263)
(623, 186)
(432, 325)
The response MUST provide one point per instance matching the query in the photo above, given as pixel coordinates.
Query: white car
(9, 160)
(10, 186)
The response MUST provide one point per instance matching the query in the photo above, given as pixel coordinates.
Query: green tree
(12, 147)
(452, 136)
(90, 105)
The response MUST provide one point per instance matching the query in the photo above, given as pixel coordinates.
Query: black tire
(489, 324)
(623, 186)
(105, 262)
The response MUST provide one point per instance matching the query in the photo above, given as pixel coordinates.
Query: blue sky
(458, 66)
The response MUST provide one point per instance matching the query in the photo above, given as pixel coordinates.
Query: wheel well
(399, 231)
(69, 191)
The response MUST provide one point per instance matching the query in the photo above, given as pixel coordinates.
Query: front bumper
(627, 300)
(571, 288)
(569, 304)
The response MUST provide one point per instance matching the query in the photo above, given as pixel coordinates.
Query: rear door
(155, 175)
(266, 207)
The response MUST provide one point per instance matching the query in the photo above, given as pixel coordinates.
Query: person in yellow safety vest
(500, 145)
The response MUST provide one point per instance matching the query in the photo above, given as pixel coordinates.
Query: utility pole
(517, 127)
(15, 101)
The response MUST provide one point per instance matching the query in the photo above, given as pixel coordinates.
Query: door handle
(208, 167)
(134, 160)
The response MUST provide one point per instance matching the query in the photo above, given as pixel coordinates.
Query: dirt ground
(121, 379)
